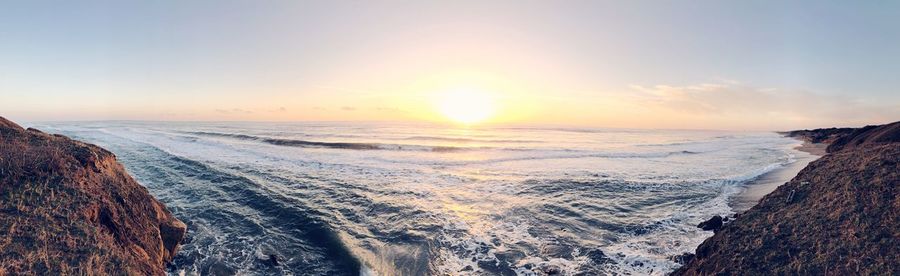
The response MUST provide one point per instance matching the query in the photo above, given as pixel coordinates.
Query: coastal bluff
(839, 216)
(69, 208)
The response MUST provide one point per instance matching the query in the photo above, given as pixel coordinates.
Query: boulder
(713, 224)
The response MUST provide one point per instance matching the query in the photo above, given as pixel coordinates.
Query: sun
(465, 106)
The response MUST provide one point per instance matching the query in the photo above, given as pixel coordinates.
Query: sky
(744, 65)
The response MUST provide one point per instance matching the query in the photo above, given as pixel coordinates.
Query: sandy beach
(766, 183)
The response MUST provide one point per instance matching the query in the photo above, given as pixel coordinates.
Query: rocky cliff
(822, 135)
(68, 208)
(839, 216)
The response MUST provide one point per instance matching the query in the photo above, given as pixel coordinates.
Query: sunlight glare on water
(413, 199)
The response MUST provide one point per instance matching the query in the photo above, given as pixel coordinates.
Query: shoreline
(831, 218)
(761, 186)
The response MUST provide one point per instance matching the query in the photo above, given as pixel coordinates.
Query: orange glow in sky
(629, 64)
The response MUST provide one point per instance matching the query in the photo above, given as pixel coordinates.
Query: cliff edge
(69, 208)
(839, 216)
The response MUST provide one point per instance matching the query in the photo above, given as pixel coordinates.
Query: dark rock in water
(844, 224)
(551, 270)
(713, 224)
(725, 219)
(270, 260)
(598, 257)
(682, 259)
(70, 208)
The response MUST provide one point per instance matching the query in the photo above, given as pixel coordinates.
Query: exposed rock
(843, 218)
(551, 270)
(822, 135)
(68, 208)
(272, 260)
(713, 224)
(683, 258)
(598, 257)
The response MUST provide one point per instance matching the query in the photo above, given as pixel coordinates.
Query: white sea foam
(516, 200)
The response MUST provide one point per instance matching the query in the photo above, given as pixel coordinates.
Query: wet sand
(766, 183)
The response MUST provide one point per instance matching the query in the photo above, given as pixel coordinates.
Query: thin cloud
(732, 99)
(233, 111)
(278, 110)
(388, 109)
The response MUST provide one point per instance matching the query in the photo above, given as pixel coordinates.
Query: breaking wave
(334, 145)
(521, 201)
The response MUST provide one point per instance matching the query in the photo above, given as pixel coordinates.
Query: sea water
(420, 199)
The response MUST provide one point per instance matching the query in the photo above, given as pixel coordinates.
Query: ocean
(421, 199)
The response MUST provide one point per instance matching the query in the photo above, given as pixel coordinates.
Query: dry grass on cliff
(839, 216)
(68, 208)
(38, 217)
